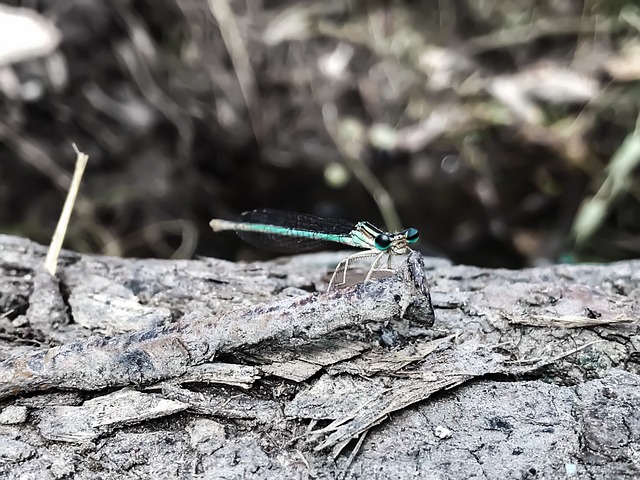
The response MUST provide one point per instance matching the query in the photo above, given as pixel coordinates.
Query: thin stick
(51, 261)
(171, 351)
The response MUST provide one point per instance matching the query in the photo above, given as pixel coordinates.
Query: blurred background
(506, 132)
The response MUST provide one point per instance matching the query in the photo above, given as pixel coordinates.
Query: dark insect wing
(301, 221)
(281, 243)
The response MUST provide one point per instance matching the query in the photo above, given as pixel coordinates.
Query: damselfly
(284, 231)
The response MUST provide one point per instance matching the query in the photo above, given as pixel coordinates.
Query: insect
(284, 231)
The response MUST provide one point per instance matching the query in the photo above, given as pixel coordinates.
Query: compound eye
(382, 242)
(412, 235)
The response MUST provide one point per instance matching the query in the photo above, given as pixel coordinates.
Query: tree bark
(123, 368)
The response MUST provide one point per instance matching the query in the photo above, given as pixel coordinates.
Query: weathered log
(170, 369)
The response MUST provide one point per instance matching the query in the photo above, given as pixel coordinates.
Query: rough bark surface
(207, 369)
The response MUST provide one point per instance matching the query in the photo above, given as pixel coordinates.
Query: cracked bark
(530, 371)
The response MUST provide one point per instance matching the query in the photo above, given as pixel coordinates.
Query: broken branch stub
(167, 352)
